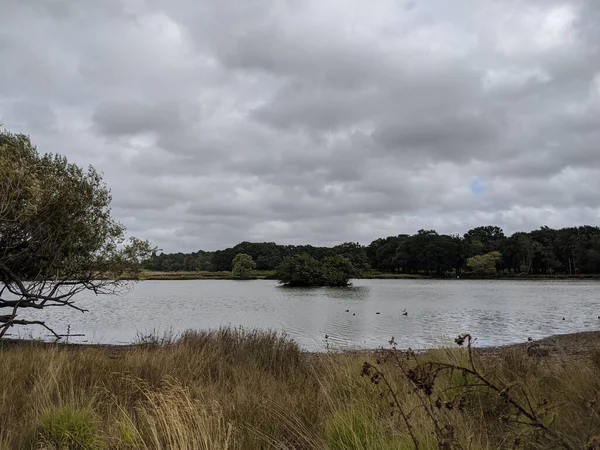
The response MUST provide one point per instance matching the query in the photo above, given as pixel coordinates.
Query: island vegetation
(304, 270)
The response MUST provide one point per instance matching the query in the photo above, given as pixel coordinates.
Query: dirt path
(585, 344)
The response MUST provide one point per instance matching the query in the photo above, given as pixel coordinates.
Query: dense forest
(482, 251)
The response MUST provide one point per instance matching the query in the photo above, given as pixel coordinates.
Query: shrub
(337, 271)
(68, 428)
(304, 270)
(300, 270)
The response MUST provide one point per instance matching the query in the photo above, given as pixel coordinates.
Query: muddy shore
(581, 345)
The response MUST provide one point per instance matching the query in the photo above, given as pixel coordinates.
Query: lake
(495, 312)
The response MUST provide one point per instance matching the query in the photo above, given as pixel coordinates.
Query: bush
(67, 428)
(304, 270)
(300, 270)
(337, 271)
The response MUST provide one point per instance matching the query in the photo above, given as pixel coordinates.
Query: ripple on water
(495, 312)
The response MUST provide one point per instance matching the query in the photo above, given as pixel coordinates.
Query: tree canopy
(243, 266)
(300, 270)
(484, 264)
(304, 270)
(569, 251)
(57, 237)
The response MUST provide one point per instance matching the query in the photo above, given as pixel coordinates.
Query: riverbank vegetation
(236, 389)
(573, 251)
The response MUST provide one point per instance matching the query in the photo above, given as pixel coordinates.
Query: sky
(314, 121)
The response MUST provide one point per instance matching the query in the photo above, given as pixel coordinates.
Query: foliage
(568, 251)
(484, 264)
(250, 389)
(67, 428)
(56, 234)
(354, 252)
(447, 390)
(337, 271)
(304, 270)
(243, 266)
(300, 270)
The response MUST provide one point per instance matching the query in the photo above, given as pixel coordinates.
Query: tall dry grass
(249, 389)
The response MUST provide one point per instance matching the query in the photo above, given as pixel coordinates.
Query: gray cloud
(220, 121)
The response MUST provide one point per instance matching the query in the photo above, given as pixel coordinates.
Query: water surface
(495, 312)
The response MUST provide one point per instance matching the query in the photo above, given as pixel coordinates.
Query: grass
(202, 275)
(251, 389)
(270, 275)
(257, 275)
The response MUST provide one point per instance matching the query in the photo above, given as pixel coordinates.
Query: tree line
(483, 250)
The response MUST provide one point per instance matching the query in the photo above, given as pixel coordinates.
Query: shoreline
(269, 275)
(581, 344)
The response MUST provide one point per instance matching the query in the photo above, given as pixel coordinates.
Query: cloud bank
(314, 122)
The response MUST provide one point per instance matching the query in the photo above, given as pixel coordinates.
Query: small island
(302, 270)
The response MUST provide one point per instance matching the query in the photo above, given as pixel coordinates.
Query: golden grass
(248, 389)
(201, 275)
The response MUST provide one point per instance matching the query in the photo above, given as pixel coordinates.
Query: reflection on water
(495, 312)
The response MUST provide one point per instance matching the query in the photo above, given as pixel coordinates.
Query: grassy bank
(236, 389)
(270, 275)
(202, 275)
(258, 275)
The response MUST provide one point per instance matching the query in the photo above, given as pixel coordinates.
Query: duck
(404, 312)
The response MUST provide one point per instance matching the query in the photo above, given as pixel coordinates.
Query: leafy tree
(573, 250)
(300, 270)
(304, 270)
(484, 239)
(57, 237)
(338, 270)
(354, 252)
(243, 266)
(382, 253)
(222, 260)
(484, 264)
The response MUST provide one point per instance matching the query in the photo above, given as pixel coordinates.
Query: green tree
(57, 237)
(300, 270)
(355, 252)
(304, 270)
(338, 270)
(484, 264)
(483, 239)
(243, 266)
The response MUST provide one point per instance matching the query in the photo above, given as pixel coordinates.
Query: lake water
(495, 312)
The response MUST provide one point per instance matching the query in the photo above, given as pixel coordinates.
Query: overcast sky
(317, 121)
